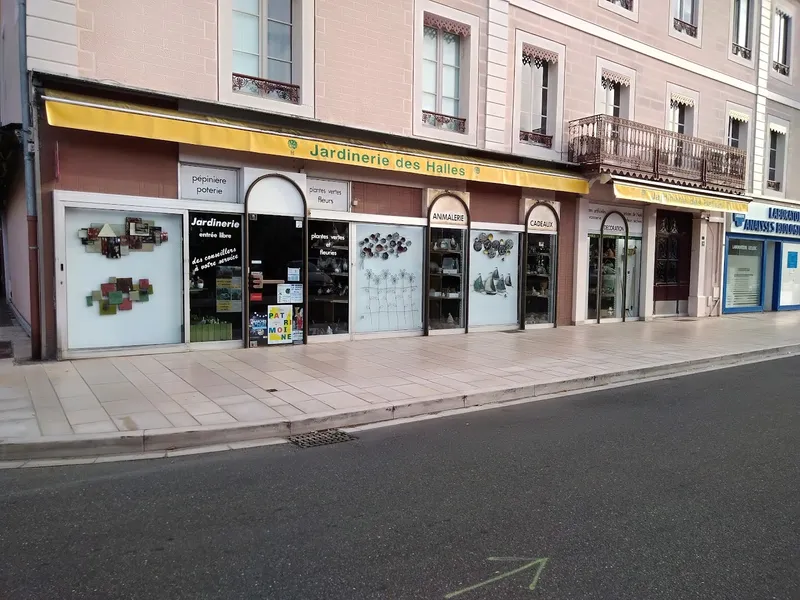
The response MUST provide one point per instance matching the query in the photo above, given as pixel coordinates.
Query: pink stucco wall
(15, 230)
(163, 46)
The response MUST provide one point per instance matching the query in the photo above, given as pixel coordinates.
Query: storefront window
(541, 268)
(446, 272)
(745, 258)
(215, 277)
(493, 273)
(275, 280)
(790, 276)
(614, 277)
(124, 278)
(388, 279)
(328, 278)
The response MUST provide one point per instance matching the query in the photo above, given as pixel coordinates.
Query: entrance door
(275, 260)
(673, 262)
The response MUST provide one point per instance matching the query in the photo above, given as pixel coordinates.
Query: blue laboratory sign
(791, 260)
(764, 219)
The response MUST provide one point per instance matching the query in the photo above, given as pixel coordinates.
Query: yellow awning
(105, 116)
(624, 191)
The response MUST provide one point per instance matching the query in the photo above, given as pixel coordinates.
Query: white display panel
(493, 277)
(744, 273)
(157, 321)
(388, 291)
(790, 275)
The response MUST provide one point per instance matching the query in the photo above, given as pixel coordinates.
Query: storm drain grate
(320, 438)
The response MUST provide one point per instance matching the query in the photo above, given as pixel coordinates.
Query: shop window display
(615, 277)
(125, 278)
(493, 268)
(446, 279)
(215, 277)
(388, 279)
(328, 278)
(539, 284)
(743, 288)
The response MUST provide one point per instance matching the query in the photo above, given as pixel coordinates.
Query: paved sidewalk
(189, 393)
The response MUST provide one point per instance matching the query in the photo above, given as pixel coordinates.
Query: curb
(157, 442)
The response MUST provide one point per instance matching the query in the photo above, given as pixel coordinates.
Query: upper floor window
(681, 114)
(742, 43)
(626, 4)
(776, 158)
(264, 49)
(685, 17)
(781, 42)
(615, 94)
(539, 96)
(734, 132)
(442, 81)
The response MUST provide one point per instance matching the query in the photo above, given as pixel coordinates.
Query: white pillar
(648, 262)
(580, 283)
(697, 277)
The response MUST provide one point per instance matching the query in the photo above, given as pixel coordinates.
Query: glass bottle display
(446, 279)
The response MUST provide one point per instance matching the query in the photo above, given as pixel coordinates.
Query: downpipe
(30, 192)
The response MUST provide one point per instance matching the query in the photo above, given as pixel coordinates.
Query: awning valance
(119, 118)
(739, 116)
(777, 128)
(640, 193)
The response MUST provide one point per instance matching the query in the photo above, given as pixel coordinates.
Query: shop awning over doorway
(120, 118)
(678, 198)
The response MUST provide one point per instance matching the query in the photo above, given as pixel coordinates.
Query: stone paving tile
(21, 428)
(287, 410)
(176, 387)
(106, 426)
(106, 392)
(182, 419)
(415, 390)
(339, 400)
(80, 402)
(251, 411)
(222, 391)
(144, 420)
(220, 418)
(198, 409)
(310, 407)
(314, 387)
(55, 428)
(238, 399)
(16, 403)
(126, 407)
(293, 396)
(88, 415)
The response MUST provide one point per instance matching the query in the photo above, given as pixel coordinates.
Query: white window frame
(468, 101)
(790, 12)
(694, 95)
(751, 34)
(517, 147)
(614, 7)
(600, 92)
(674, 6)
(783, 123)
(302, 62)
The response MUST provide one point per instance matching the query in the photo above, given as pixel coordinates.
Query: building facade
(264, 172)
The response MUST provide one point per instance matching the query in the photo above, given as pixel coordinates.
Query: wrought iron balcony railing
(266, 88)
(615, 145)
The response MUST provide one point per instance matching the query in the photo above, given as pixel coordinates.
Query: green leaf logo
(292, 145)
(477, 170)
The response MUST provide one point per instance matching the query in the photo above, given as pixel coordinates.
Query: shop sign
(199, 182)
(541, 219)
(764, 219)
(328, 194)
(447, 210)
(279, 324)
(669, 198)
(614, 224)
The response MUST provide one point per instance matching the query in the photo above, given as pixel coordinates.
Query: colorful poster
(279, 324)
(229, 289)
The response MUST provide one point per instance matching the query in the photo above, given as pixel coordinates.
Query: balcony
(606, 144)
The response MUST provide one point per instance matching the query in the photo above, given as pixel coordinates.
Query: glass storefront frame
(542, 228)
(63, 200)
(730, 241)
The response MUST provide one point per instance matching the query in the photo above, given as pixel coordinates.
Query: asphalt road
(683, 488)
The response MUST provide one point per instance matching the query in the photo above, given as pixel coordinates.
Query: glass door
(446, 279)
(540, 270)
(328, 278)
(275, 283)
(614, 277)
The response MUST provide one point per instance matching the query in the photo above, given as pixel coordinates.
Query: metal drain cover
(320, 438)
